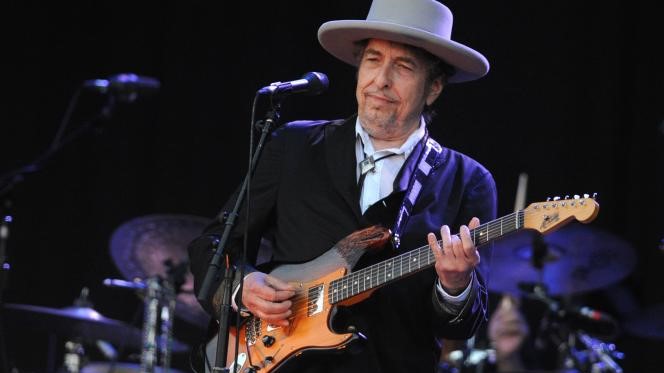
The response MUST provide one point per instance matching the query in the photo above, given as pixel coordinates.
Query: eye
(405, 67)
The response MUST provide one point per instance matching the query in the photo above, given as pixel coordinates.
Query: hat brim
(339, 38)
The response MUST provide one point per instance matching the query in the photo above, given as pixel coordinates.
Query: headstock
(548, 216)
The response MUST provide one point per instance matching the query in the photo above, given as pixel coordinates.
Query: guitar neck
(414, 261)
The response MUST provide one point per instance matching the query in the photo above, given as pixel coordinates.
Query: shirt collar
(406, 148)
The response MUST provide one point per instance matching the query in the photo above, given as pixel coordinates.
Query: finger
(272, 308)
(278, 284)
(273, 318)
(474, 223)
(435, 247)
(270, 294)
(468, 247)
(446, 237)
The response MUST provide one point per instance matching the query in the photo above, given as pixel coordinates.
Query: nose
(383, 77)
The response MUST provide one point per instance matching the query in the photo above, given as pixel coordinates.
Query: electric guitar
(327, 282)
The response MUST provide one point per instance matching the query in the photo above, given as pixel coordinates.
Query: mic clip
(270, 89)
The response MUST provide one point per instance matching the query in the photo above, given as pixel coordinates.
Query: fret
(356, 284)
(372, 276)
(333, 294)
(389, 267)
(379, 274)
(382, 274)
(400, 265)
(389, 270)
(344, 287)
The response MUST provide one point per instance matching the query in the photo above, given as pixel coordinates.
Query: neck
(384, 138)
(380, 144)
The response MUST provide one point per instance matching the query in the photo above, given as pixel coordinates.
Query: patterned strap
(427, 162)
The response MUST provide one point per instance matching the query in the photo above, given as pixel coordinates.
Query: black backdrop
(574, 99)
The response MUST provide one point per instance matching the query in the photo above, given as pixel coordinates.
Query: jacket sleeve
(479, 201)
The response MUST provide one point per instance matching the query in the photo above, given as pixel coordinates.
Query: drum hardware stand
(74, 356)
(159, 306)
(158, 313)
(5, 221)
(598, 357)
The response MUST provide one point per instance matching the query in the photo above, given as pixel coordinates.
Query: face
(392, 89)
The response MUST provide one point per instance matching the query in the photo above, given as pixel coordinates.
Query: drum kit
(552, 271)
(150, 253)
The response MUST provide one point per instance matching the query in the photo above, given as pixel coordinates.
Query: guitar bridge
(315, 300)
(253, 330)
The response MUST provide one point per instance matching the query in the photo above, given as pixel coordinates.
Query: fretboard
(413, 261)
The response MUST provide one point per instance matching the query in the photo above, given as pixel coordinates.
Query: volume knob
(268, 340)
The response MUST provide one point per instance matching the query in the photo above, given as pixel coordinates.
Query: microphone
(588, 313)
(128, 86)
(136, 285)
(540, 292)
(311, 84)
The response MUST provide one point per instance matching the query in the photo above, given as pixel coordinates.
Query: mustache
(381, 94)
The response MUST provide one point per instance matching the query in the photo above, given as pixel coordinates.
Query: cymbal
(647, 323)
(580, 259)
(83, 323)
(141, 247)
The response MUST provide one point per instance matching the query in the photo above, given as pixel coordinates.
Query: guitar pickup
(315, 300)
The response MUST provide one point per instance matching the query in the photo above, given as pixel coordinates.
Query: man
(318, 182)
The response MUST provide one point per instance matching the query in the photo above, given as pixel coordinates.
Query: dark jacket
(304, 196)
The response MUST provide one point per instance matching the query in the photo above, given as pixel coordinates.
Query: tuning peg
(576, 196)
(594, 195)
(556, 198)
(586, 195)
(548, 199)
(566, 196)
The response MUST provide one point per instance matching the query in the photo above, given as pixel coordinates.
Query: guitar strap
(428, 160)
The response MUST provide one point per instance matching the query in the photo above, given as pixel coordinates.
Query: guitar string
(419, 255)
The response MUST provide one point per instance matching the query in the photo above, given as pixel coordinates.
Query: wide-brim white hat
(426, 24)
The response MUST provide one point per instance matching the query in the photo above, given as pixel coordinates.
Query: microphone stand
(212, 275)
(9, 181)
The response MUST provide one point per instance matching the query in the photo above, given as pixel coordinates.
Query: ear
(435, 88)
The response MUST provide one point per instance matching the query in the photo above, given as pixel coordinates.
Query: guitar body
(267, 347)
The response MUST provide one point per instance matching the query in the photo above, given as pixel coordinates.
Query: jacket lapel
(341, 162)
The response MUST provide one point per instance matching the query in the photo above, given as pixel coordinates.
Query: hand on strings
(268, 298)
(456, 258)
